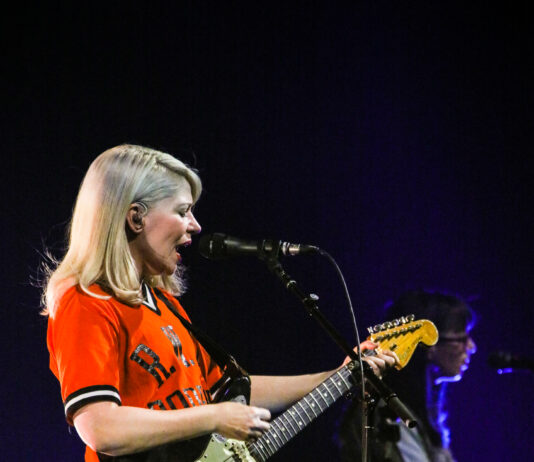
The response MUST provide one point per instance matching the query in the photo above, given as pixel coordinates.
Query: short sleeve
(83, 341)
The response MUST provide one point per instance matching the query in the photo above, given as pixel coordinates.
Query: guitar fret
(339, 384)
(329, 387)
(347, 384)
(300, 418)
(295, 417)
(276, 439)
(255, 452)
(329, 392)
(265, 443)
(269, 442)
(311, 406)
(325, 395)
(261, 452)
(287, 418)
(285, 431)
(336, 385)
(316, 402)
(320, 394)
(304, 409)
(280, 434)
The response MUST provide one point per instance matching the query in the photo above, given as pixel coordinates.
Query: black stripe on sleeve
(88, 395)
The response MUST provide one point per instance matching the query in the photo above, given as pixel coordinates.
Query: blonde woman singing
(134, 379)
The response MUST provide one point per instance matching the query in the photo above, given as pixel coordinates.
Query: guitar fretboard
(302, 413)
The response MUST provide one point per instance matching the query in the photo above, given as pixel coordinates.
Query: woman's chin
(164, 270)
(169, 270)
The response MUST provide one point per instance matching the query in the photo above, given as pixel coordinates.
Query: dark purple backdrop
(395, 135)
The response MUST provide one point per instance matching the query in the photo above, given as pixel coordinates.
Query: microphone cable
(333, 262)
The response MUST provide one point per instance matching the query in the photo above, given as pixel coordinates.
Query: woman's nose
(194, 225)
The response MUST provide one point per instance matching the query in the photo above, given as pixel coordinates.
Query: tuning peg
(390, 324)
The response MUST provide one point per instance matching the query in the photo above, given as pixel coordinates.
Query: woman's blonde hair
(98, 250)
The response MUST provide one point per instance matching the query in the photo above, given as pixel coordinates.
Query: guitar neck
(302, 413)
(401, 335)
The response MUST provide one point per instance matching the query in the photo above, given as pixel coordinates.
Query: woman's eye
(183, 212)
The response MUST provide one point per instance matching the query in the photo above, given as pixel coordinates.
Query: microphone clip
(269, 251)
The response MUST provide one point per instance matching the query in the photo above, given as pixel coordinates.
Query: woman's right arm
(117, 430)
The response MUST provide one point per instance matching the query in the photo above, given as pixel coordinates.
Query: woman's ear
(135, 217)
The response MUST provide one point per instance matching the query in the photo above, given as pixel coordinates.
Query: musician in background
(422, 385)
(135, 376)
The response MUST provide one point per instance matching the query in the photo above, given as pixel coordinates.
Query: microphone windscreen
(212, 246)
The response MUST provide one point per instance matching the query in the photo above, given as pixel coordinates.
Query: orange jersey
(143, 356)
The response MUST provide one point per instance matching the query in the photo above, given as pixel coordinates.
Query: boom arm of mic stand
(310, 303)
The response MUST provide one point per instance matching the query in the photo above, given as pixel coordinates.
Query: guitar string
(263, 445)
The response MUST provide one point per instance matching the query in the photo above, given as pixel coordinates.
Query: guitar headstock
(403, 335)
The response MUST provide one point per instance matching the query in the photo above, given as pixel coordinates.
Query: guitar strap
(231, 369)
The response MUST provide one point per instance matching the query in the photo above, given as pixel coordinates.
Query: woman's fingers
(260, 421)
(242, 422)
(377, 365)
(381, 361)
(390, 357)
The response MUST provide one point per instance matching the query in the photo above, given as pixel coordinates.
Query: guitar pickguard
(222, 449)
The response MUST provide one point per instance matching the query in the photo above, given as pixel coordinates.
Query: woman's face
(167, 226)
(451, 355)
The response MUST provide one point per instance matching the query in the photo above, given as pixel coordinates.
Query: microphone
(218, 246)
(505, 362)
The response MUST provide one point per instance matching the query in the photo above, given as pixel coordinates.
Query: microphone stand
(310, 303)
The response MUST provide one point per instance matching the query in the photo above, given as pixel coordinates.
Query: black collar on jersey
(149, 299)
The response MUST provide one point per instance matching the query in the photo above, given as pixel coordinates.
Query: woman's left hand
(380, 361)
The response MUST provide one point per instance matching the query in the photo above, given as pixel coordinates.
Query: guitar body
(235, 387)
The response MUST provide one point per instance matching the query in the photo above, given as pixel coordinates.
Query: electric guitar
(401, 336)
